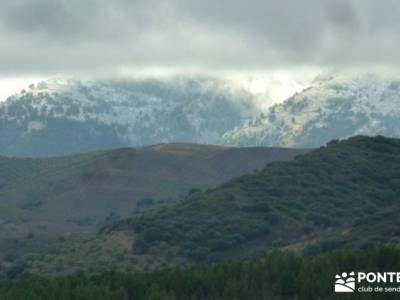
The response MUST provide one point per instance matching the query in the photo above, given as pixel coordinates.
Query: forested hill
(44, 200)
(343, 195)
(347, 187)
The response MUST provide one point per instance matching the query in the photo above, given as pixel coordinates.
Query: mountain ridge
(333, 107)
(59, 117)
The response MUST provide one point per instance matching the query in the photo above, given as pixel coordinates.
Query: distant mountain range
(58, 117)
(333, 107)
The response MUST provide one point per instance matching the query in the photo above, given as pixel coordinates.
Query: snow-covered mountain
(59, 117)
(68, 116)
(335, 106)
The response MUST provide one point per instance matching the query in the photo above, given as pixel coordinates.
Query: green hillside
(43, 200)
(85, 189)
(342, 196)
(345, 193)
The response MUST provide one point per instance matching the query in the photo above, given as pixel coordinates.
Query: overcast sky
(45, 38)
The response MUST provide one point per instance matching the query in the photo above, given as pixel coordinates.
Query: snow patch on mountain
(106, 114)
(336, 106)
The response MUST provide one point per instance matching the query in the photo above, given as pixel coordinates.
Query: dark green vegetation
(46, 201)
(278, 275)
(342, 195)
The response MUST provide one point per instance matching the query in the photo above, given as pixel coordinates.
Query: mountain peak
(335, 106)
(63, 116)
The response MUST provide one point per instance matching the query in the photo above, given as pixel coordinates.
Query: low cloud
(91, 37)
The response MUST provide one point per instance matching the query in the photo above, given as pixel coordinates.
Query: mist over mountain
(59, 117)
(333, 107)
